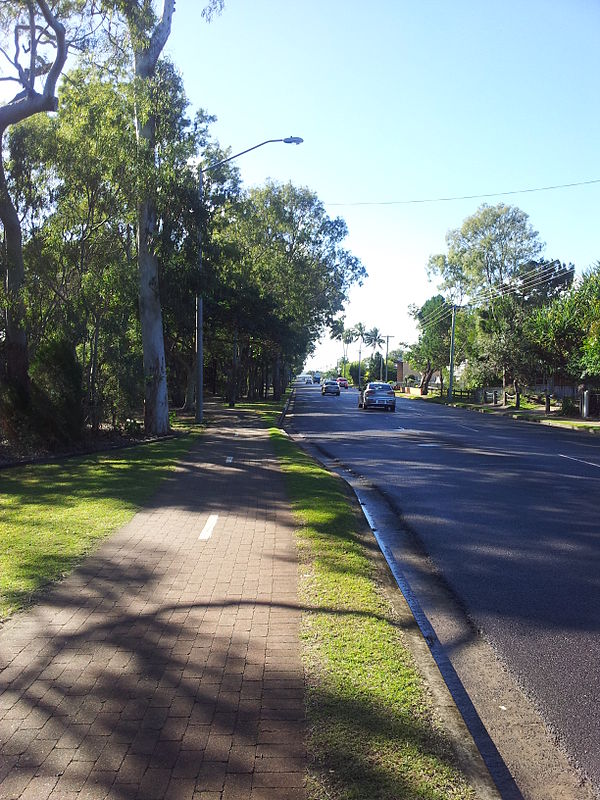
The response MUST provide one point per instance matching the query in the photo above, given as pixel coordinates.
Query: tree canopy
(115, 173)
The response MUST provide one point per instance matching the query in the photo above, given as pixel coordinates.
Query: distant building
(405, 374)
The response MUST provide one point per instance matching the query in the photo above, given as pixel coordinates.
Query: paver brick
(237, 787)
(154, 784)
(15, 783)
(211, 777)
(39, 788)
(261, 793)
(166, 666)
(180, 789)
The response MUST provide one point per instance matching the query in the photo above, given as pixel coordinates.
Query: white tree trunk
(156, 408)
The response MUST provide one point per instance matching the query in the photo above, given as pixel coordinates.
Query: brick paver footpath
(168, 664)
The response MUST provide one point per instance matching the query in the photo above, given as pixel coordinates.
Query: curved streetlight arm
(287, 140)
(199, 303)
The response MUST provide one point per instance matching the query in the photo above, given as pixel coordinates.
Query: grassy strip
(54, 514)
(373, 734)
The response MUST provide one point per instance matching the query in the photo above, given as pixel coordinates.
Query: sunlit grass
(372, 730)
(52, 515)
(268, 410)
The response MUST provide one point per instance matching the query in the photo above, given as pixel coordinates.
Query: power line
(543, 273)
(466, 196)
(437, 315)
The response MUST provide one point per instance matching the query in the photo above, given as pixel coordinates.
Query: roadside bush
(569, 408)
(57, 412)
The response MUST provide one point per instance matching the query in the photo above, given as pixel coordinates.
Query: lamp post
(387, 347)
(199, 305)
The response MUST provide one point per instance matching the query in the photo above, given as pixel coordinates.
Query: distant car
(377, 395)
(330, 387)
(342, 383)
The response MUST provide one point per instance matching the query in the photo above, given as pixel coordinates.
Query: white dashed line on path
(208, 527)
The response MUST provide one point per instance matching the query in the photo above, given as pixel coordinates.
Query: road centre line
(580, 460)
(208, 527)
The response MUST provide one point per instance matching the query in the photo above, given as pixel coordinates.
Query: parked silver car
(330, 387)
(377, 395)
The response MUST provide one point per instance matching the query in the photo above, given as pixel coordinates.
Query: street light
(387, 347)
(199, 308)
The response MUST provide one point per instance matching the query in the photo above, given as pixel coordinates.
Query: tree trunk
(94, 409)
(277, 378)
(190, 388)
(427, 375)
(17, 359)
(25, 105)
(156, 409)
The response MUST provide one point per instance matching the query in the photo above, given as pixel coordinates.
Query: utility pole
(199, 322)
(451, 380)
(359, 353)
(387, 347)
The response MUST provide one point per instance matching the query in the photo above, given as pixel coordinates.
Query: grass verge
(373, 733)
(53, 515)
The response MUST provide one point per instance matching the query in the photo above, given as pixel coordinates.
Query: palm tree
(375, 339)
(344, 335)
(348, 336)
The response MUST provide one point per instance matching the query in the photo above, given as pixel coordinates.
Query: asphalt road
(510, 515)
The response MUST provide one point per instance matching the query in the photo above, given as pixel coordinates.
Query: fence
(468, 395)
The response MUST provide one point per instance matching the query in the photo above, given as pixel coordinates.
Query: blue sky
(400, 101)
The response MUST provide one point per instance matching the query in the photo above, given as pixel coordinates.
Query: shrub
(57, 413)
(569, 407)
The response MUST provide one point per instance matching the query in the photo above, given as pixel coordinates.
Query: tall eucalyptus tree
(35, 51)
(148, 35)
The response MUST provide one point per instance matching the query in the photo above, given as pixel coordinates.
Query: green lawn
(52, 515)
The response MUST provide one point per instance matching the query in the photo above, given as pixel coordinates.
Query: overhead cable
(465, 196)
(543, 273)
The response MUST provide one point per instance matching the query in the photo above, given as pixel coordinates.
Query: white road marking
(581, 461)
(468, 428)
(229, 460)
(208, 527)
